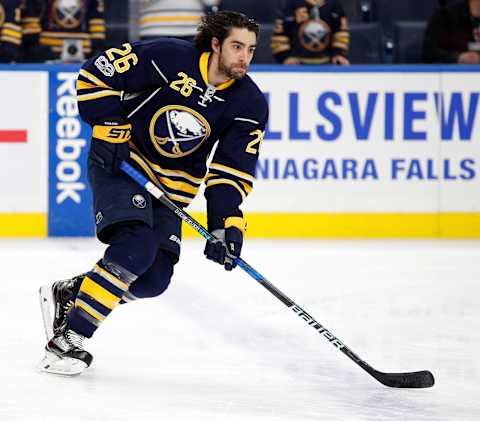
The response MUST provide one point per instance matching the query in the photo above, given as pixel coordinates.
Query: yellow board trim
(454, 225)
(23, 224)
(461, 225)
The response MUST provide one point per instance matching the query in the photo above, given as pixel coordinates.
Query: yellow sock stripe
(99, 293)
(110, 278)
(90, 310)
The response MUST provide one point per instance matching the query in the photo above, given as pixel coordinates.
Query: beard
(234, 71)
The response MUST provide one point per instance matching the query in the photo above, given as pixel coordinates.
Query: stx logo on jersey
(177, 131)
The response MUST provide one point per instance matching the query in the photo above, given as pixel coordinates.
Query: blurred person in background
(453, 34)
(10, 30)
(173, 18)
(65, 30)
(311, 32)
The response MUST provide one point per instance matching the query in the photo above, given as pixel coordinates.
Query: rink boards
(369, 151)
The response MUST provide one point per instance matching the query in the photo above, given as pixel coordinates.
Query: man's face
(236, 53)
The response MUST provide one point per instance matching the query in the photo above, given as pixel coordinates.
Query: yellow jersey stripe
(96, 95)
(179, 185)
(75, 35)
(179, 198)
(11, 33)
(154, 19)
(94, 79)
(59, 42)
(226, 181)
(231, 171)
(99, 293)
(276, 49)
(170, 173)
(12, 26)
(248, 188)
(85, 85)
(97, 28)
(11, 40)
(145, 167)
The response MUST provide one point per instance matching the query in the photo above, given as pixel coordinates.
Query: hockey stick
(417, 379)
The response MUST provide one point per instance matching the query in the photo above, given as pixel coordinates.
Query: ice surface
(218, 346)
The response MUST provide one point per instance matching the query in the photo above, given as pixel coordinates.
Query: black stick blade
(414, 380)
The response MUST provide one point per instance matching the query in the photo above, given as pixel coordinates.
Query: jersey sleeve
(96, 24)
(280, 42)
(232, 170)
(341, 33)
(10, 30)
(130, 68)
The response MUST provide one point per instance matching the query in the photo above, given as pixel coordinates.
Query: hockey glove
(109, 145)
(229, 243)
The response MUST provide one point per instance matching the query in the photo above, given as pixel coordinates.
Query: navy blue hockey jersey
(10, 30)
(161, 87)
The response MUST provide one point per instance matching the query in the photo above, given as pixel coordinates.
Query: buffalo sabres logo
(177, 131)
(315, 35)
(68, 13)
(139, 201)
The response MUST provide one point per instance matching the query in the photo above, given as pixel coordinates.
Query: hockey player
(311, 32)
(52, 23)
(172, 18)
(10, 29)
(162, 105)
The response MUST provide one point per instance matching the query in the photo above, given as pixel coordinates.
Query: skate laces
(74, 339)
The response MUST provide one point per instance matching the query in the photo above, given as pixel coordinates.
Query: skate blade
(53, 364)
(46, 306)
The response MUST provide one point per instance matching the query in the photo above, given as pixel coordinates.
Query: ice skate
(64, 353)
(56, 301)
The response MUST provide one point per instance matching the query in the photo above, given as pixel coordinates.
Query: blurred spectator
(10, 30)
(311, 32)
(453, 34)
(66, 30)
(172, 18)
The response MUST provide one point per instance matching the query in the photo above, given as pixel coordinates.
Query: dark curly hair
(219, 25)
